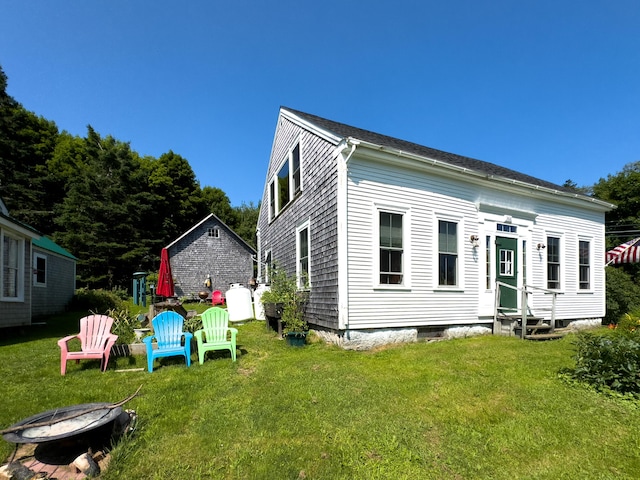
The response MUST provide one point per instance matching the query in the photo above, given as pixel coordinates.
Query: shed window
(39, 270)
(213, 232)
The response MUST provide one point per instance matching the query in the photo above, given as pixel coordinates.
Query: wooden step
(544, 336)
(541, 326)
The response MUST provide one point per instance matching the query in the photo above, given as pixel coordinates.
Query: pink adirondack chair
(217, 298)
(96, 341)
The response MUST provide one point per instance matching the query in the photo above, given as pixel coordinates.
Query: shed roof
(49, 245)
(211, 215)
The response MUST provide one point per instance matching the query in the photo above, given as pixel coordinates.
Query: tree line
(106, 204)
(115, 209)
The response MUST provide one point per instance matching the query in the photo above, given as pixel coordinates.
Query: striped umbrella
(628, 252)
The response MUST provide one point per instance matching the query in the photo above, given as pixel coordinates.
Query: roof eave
(388, 153)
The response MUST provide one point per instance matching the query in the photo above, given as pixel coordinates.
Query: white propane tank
(239, 303)
(257, 303)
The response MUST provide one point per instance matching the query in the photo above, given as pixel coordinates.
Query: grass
(486, 407)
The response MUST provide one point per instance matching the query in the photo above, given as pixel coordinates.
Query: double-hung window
(447, 253)
(39, 270)
(303, 250)
(553, 263)
(391, 248)
(12, 274)
(286, 183)
(584, 265)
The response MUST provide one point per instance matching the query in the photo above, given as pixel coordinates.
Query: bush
(609, 362)
(123, 325)
(97, 301)
(623, 294)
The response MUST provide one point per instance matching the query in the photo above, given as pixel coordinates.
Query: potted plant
(286, 304)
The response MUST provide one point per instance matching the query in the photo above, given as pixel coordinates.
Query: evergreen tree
(27, 142)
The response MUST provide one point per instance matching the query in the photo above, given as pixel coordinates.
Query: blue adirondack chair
(216, 333)
(171, 340)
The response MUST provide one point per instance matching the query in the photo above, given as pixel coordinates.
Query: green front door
(506, 271)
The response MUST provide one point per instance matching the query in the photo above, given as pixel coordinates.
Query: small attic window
(213, 232)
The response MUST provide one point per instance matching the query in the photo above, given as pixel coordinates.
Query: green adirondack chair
(171, 340)
(216, 333)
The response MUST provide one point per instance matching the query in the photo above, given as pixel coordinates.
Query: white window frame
(273, 191)
(589, 240)
(213, 232)
(36, 257)
(406, 246)
(459, 221)
(299, 274)
(20, 268)
(561, 261)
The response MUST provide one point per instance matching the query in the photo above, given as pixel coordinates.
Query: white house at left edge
(210, 250)
(38, 276)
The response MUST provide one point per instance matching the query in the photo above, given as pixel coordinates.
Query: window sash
(283, 186)
(584, 262)
(295, 168)
(553, 263)
(272, 199)
(10, 270)
(40, 270)
(447, 253)
(303, 258)
(391, 248)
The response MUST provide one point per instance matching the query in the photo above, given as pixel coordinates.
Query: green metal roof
(47, 244)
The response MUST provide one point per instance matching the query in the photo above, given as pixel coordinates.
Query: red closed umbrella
(165, 280)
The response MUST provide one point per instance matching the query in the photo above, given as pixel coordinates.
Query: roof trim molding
(395, 157)
(325, 134)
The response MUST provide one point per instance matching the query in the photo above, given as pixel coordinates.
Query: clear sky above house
(547, 87)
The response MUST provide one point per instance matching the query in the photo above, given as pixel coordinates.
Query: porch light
(541, 246)
(475, 241)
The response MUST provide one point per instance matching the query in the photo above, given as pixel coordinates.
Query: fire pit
(62, 423)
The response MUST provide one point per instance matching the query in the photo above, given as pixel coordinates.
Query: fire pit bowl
(55, 427)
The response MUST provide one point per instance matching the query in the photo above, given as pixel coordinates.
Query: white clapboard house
(400, 238)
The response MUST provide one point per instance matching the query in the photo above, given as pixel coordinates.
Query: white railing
(524, 310)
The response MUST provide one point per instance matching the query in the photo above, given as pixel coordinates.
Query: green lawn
(487, 407)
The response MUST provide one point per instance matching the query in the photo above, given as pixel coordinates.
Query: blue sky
(550, 88)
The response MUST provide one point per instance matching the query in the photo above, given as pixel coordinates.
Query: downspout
(258, 255)
(342, 214)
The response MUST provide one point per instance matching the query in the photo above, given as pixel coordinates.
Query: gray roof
(480, 166)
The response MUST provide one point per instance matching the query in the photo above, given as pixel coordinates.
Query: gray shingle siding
(60, 285)
(194, 256)
(317, 202)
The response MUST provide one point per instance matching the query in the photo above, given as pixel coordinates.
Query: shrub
(98, 301)
(193, 323)
(123, 325)
(284, 291)
(609, 362)
(623, 294)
